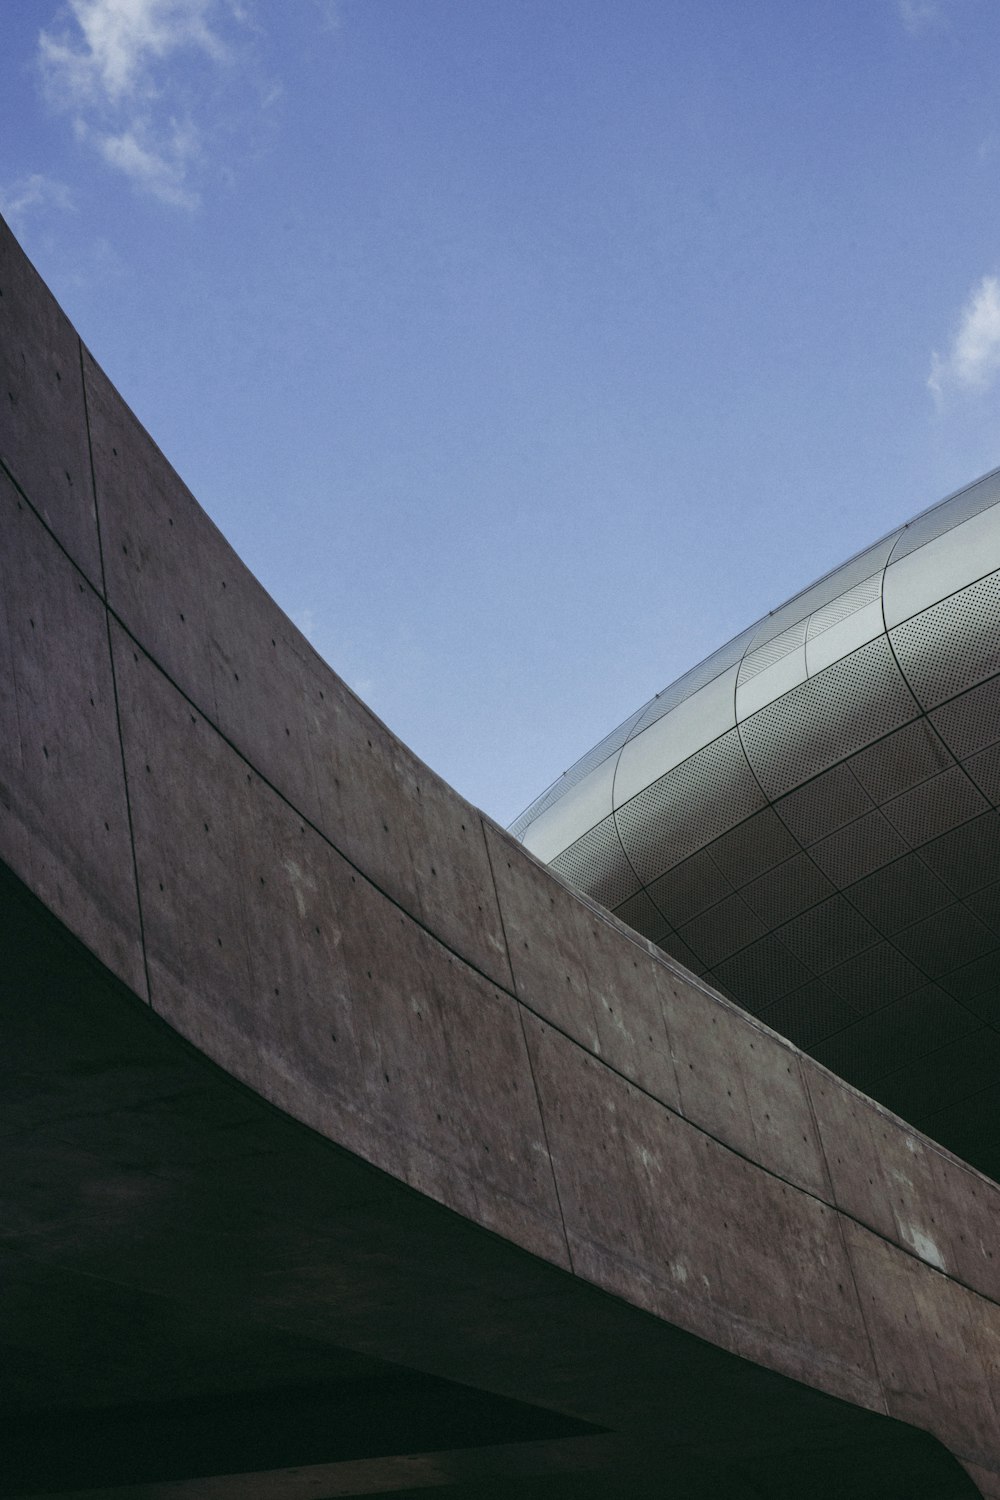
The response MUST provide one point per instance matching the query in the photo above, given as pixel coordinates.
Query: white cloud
(31, 194)
(917, 15)
(112, 66)
(973, 362)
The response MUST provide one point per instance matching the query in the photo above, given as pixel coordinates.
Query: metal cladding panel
(640, 912)
(827, 718)
(690, 888)
(773, 680)
(954, 644)
(584, 805)
(788, 642)
(809, 1014)
(753, 847)
(675, 736)
(858, 848)
(900, 761)
(970, 722)
(688, 807)
(948, 513)
(953, 556)
(698, 677)
(602, 751)
(835, 641)
(596, 865)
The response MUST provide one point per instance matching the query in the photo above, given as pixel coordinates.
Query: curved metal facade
(809, 818)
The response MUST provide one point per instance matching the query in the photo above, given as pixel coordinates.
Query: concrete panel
(741, 1083)
(398, 822)
(936, 1345)
(63, 813)
(316, 990)
(156, 572)
(697, 1234)
(41, 391)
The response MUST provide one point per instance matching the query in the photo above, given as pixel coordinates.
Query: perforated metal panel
(874, 977)
(753, 847)
(972, 721)
(967, 858)
(899, 894)
(984, 770)
(952, 645)
(596, 865)
(823, 805)
(858, 849)
(772, 651)
(690, 888)
(935, 806)
(808, 1014)
(787, 890)
(900, 761)
(841, 710)
(722, 930)
(845, 605)
(948, 514)
(639, 912)
(828, 934)
(688, 807)
(948, 940)
(884, 1041)
(762, 973)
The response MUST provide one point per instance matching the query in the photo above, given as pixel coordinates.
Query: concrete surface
(344, 1147)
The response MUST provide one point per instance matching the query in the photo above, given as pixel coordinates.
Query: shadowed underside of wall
(347, 1149)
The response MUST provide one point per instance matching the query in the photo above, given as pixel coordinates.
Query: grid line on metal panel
(596, 864)
(774, 650)
(971, 721)
(602, 751)
(948, 514)
(901, 760)
(821, 721)
(875, 977)
(809, 1014)
(857, 850)
(823, 805)
(899, 894)
(761, 973)
(952, 645)
(689, 888)
(640, 912)
(845, 605)
(984, 768)
(688, 807)
(692, 682)
(935, 806)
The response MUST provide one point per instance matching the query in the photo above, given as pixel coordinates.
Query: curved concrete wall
(199, 799)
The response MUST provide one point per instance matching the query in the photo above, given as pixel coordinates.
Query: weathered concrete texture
(202, 803)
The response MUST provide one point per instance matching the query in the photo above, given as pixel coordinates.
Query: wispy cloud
(917, 15)
(114, 67)
(23, 199)
(973, 362)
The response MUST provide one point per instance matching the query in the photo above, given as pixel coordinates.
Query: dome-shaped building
(809, 820)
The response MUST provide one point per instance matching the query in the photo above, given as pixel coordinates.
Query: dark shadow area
(196, 1285)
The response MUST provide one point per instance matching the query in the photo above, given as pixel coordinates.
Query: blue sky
(526, 349)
